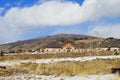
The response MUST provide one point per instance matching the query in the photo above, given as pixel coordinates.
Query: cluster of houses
(69, 47)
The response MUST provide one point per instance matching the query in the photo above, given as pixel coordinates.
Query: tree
(1, 53)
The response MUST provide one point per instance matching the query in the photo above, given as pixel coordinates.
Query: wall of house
(60, 50)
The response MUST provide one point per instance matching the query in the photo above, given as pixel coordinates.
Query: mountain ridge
(43, 39)
(81, 41)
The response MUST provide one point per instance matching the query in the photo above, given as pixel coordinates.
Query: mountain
(54, 41)
(42, 41)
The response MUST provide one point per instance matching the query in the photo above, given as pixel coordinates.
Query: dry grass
(6, 72)
(58, 55)
(98, 66)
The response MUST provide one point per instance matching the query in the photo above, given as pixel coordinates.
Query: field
(59, 66)
(70, 68)
(22, 56)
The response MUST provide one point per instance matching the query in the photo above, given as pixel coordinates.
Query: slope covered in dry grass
(66, 68)
(98, 66)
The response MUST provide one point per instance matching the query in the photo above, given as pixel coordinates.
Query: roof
(68, 45)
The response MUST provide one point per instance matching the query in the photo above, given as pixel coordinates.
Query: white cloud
(48, 13)
(1, 9)
(106, 31)
(8, 34)
(62, 13)
(93, 9)
(55, 12)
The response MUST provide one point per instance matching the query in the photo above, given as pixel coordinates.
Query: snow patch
(11, 63)
(50, 77)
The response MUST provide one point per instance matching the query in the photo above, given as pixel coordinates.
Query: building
(67, 47)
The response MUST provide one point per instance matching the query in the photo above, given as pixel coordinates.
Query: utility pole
(98, 41)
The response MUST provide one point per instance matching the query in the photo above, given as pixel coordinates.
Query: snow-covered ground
(13, 62)
(43, 77)
(50, 77)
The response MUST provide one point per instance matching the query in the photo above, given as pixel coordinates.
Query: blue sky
(26, 19)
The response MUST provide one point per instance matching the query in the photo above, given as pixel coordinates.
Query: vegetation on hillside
(58, 40)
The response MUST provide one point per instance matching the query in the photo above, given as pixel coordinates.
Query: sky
(26, 19)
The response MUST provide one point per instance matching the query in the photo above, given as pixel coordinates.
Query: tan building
(68, 47)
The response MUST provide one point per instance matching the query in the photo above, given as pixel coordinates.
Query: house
(68, 47)
(108, 49)
(101, 49)
(56, 47)
(114, 49)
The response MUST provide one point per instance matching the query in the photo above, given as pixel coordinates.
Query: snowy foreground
(13, 62)
(42, 77)
(50, 77)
